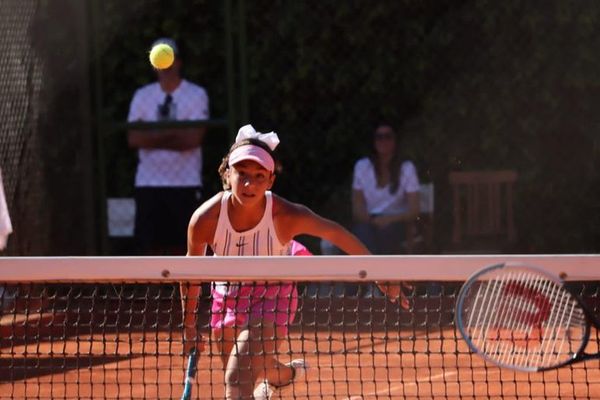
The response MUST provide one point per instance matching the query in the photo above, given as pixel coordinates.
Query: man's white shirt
(165, 168)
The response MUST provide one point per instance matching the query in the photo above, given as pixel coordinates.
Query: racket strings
(556, 345)
(511, 322)
(523, 319)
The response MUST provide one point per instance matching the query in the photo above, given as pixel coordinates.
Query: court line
(394, 389)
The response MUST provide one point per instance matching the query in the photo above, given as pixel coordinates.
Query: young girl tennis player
(249, 321)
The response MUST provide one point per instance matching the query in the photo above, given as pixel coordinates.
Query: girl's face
(249, 180)
(384, 140)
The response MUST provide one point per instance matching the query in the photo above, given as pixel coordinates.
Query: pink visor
(252, 153)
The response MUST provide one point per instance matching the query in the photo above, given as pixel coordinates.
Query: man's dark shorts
(162, 216)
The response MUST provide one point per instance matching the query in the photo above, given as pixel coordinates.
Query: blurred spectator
(168, 181)
(385, 194)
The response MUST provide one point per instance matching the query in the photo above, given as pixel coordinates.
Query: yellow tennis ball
(162, 56)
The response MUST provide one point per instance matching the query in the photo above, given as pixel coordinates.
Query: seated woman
(385, 194)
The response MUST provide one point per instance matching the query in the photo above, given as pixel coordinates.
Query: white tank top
(261, 240)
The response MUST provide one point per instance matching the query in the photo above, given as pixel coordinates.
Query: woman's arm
(359, 206)
(409, 216)
(177, 139)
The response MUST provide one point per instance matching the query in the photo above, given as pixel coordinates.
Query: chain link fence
(45, 127)
(45, 150)
(20, 85)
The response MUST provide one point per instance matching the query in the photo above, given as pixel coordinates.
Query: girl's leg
(224, 339)
(249, 356)
(240, 372)
(250, 352)
(228, 345)
(276, 372)
(280, 309)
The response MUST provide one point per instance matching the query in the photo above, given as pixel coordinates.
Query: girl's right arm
(201, 231)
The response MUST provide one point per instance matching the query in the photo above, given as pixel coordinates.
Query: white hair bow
(247, 132)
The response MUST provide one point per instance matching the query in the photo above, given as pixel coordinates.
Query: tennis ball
(162, 56)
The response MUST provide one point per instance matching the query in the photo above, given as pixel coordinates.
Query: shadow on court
(19, 368)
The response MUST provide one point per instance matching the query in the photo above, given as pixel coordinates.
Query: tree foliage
(472, 85)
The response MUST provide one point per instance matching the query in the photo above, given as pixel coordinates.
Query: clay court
(109, 348)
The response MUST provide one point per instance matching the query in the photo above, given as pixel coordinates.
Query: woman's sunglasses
(383, 136)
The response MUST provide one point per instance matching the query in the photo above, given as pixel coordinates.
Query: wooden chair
(483, 210)
(419, 235)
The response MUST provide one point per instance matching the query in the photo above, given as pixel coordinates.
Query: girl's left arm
(301, 220)
(296, 219)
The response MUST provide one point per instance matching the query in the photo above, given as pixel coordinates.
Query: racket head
(521, 317)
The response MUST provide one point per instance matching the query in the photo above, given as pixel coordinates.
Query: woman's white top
(379, 200)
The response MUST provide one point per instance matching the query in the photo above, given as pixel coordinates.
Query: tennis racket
(523, 318)
(190, 374)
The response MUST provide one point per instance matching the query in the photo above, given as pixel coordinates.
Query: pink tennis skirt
(239, 306)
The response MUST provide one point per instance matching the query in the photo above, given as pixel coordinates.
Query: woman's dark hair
(395, 162)
(225, 161)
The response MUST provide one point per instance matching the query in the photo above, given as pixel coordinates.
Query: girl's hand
(192, 339)
(394, 291)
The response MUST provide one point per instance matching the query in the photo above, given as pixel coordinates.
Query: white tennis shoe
(264, 390)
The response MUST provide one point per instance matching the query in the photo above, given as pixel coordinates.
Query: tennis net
(111, 328)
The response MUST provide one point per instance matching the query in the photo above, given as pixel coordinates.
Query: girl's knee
(239, 383)
(233, 378)
(232, 392)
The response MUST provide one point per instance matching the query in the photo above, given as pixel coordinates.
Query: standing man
(168, 180)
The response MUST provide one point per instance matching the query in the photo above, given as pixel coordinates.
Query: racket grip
(190, 374)
(191, 367)
(187, 392)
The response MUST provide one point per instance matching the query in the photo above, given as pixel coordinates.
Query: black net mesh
(124, 341)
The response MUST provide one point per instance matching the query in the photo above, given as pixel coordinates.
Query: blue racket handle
(189, 376)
